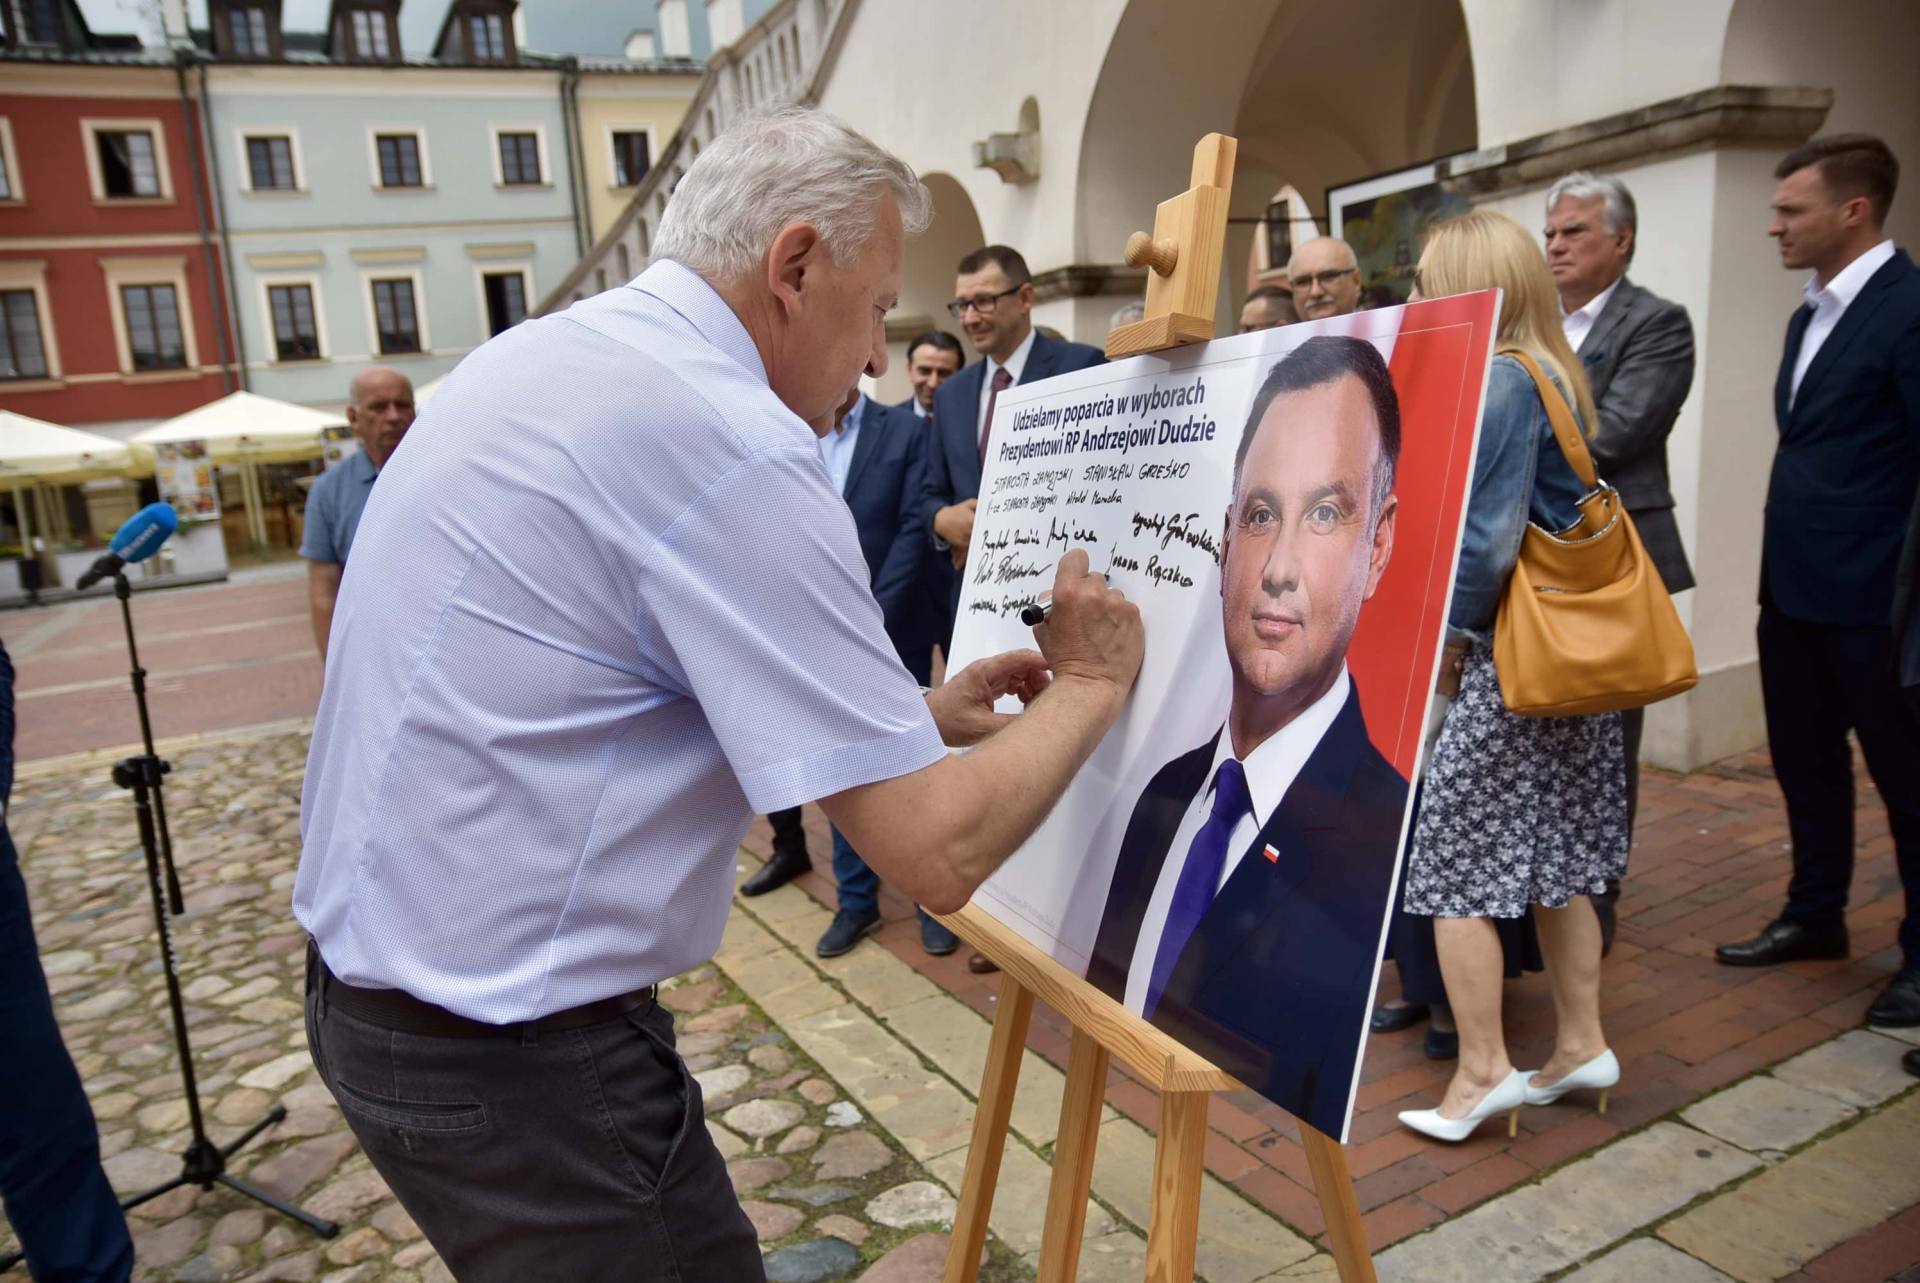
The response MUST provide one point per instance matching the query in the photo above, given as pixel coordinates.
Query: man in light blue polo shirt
(380, 410)
(605, 606)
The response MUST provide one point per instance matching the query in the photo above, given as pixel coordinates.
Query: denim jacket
(1519, 475)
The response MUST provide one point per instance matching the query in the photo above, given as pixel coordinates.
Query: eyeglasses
(1325, 280)
(981, 303)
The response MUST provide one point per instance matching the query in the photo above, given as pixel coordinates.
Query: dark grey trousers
(573, 1156)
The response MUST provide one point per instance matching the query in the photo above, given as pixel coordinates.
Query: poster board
(1135, 462)
(1384, 219)
(183, 472)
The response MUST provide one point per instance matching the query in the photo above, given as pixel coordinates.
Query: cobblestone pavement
(832, 1195)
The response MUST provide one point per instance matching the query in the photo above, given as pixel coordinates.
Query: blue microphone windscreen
(141, 535)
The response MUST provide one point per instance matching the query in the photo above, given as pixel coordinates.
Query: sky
(553, 26)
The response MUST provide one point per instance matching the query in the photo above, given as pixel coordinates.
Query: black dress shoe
(1784, 942)
(1441, 1046)
(784, 867)
(981, 965)
(1389, 1020)
(1911, 1062)
(844, 932)
(1899, 1006)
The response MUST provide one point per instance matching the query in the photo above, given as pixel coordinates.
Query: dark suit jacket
(884, 480)
(1906, 612)
(1639, 359)
(1274, 985)
(953, 465)
(1848, 462)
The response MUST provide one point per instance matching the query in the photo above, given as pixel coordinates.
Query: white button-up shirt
(1831, 303)
(603, 606)
(1577, 324)
(1271, 770)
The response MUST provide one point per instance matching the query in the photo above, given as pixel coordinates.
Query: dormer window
(39, 22)
(243, 30)
(486, 37)
(370, 35)
(249, 28)
(478, 31)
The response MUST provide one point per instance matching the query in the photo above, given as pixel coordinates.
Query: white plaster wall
(1546, 64)
(992, 55)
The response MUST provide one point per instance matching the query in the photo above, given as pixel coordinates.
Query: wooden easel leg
(1073, 1150)
(1178, 1162)
(989, 1141)
(1346, 1237)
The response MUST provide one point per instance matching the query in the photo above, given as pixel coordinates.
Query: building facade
(109, 272)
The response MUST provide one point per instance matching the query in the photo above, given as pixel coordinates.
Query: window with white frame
(23, 350)
(486, 37)
(506, 294)
(155, 340)
(129, 163)
(399, 160)
(519, 158)
(296, 333)
(248, 26)
(632, 155)
(270, 163)
(370, 36)
(396, 317)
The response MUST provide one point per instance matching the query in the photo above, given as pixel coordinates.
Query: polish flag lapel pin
(1273, 856)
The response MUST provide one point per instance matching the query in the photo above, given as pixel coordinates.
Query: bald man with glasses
(1325, 276)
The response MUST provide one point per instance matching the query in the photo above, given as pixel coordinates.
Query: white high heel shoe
(1603, 1071)
(1506, 1098)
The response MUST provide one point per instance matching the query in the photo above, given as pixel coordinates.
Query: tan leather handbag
(1586, 625)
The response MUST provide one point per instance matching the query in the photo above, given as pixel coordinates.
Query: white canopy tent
(426, 392)
(35, 453)
(243, 430)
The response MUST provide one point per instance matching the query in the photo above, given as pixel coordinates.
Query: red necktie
(1001, 382)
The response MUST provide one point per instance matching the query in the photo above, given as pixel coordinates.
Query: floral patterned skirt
(1516, 810)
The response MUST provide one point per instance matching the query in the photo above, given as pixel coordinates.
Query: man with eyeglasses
(1325, 277)
(993, 301)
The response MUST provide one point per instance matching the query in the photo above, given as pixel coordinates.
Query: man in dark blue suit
(1845, 473)
(1248, 902)
(993, 301)
(932, 358)
(876, 456)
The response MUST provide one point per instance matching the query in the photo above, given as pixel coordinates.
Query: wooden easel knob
(1144, 251)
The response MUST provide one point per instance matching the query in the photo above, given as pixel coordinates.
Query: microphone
(138, 538)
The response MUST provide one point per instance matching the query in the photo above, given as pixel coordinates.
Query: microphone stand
(204, 1162)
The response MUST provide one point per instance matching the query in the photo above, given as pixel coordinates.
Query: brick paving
(218, 657)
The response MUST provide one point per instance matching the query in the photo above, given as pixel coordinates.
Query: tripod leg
(324, 1228)
(127, 1204)
(274, 1115)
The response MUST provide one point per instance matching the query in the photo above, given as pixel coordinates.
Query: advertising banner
(1285, 509)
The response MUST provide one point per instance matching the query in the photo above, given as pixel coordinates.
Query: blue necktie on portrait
(1200, 875)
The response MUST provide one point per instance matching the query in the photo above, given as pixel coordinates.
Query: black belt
(396, 1009)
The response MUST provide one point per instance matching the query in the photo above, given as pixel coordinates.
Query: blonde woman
(1516, 811)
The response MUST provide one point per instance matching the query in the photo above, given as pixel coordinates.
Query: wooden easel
(1189, 234)
(1102, 1028)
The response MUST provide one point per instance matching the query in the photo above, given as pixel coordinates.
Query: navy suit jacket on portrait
(1274, 984)
(1848, 462)
(953, 464)
(884, 482)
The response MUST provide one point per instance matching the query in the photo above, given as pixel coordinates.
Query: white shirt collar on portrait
(1579, 323)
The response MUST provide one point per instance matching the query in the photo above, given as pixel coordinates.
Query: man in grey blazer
(1638, 351)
